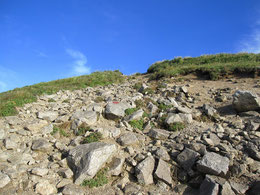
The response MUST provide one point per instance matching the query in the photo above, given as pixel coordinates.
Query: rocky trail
(174, 136)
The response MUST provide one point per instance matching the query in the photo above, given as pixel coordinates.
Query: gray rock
(163, 172)
(127, 139)
(187, 158)
(245, 101)
(41, 144)
(116, 166)
(45, 188)
(213, 163)
(48, 115)
(161, 153)
(144, 171)
(4, 180)
(158, 134)
(88, 117)
(211, 139)
(115, 110)
(2, 134)
(87, 159)
(152, 108)
(252, 151)
(184, 110)
(178, 118)
(20, 158)
(72, 189)
(135, 116)
(209, 111)
(239, 188)
(209, 187)
(36, 125)
(39, 171)
(65, 173)
(226, 189)
(10, 144)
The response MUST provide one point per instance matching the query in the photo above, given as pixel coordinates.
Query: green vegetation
(137, 86)
(93, 137)
(213, 66)
(83, 128)
(137, 124)
(66, 101)
(98, 99)
(99, 180)
(61, 131)
(51, 100)
(148, 91)
(18, 97)
(130, 111)
(164, 107)
(176, 126)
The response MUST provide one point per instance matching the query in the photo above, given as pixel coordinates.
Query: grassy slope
(20, 96)
(214, 66)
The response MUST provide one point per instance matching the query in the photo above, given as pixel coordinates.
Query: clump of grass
(98, 99)
(66, 101)
(130, 111)
(148, 91)
(176, 126)
(99, 180)
(59, 130)
(139, 124)
(93, 137)
(82, 129)
(163, 107)
(18, 97)
(213, 66)
(138, 86)
(51, 100)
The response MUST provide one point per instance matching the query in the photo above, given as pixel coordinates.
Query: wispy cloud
(251, 43)
(79, 64)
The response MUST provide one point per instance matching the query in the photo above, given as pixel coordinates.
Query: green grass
(164, 107)
(176, 126)
(213, 66)
(130, 111)
(93, 137)
(59, 130)
(83, 128)
(137, 124)
(99, 180)
(18, 97)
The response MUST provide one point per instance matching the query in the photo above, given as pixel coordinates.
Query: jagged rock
(254, 189)
(239, 188)
(209, 111)
(209, 187)
(245, 101)
(48, 115)
(178, 118)
(161, 153)
(211, 139)
(158, 134)
(187, 158)
(135, 116)
(45, 188)
(39, 171)
(198, 147)
(184, 110)
(152, 108)
(4, 180)
(213, 163)
(115, 110)
(88, 117)
(72, 189)
(163, 172)
(252, 151)
(86, 160)
(36, 125)
(65, 173)
(116, 166)
(127, 139)
(144, 171)
(41, 144)
(226, 189)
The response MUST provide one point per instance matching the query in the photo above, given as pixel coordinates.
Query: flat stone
(213, 163)
(41, 144)
(144, 171)
(115, 110)
(161, 153)
(158, 134)
(135, 116)
(4, 180)
(163, 172)
(65, 173)
(45, 188)
(36, 125)
(239, 188)
(72, 189)
(244, 101)
(187, 158)
(127, 139)
(48, 115)
(39, 171)
(10, 144)
(87, 159)
(209, 187)
(88, 117)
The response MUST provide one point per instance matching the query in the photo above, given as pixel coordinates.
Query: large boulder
(244, 101)
(87, 159)
(213, 163)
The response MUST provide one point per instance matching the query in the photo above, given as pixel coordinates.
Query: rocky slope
(177, 136)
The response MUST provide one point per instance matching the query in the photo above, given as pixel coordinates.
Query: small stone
(72, 189)
(254, 189)
(239, 188)
(2, 134)
(41, 144)
(48, 115)
(163, 154)
(45, 188)
(244, 101)
(144, 171)
(128, 139)
(158, 133)
(39, 171)
(226, 189)
(65, 173)
(116, 166)
(163, 172)
(209, 187)
(10, 144)
(4, 180)
(187, 158)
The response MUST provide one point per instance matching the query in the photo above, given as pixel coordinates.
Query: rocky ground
(176, 136)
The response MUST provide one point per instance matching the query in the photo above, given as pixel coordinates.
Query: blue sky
(43, 40)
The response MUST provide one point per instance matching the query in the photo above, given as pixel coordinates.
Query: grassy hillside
(20, 96)
(214, 66)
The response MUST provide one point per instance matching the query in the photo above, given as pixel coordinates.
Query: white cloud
(79, 63)
(251, 43)
(41, 54)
